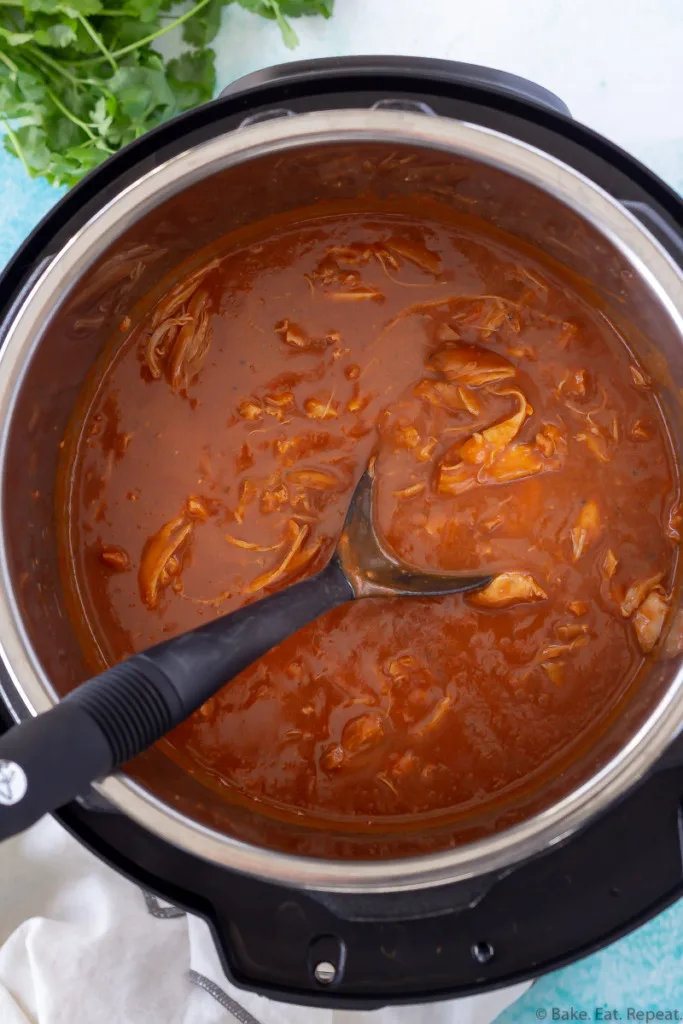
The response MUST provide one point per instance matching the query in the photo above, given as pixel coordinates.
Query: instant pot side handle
(476, 76)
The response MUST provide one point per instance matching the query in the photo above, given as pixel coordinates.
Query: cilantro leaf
(80, 78)
(202, 31)
(192, 78)
(299, 8)
(15, 38)
(57, 34)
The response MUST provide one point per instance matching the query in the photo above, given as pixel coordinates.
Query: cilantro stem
(147, 39)
(33, 54)
(10, 63)
(98, 41)
(54, 65)
(17, 147)
(70, 114)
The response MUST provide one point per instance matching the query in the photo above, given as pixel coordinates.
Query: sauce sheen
(514, 433)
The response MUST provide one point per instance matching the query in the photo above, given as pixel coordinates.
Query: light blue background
(620, 69)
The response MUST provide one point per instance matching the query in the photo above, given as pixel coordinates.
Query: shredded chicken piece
(514, 463)
(648, 621)
(197, 508)
(362, 732)
(398, 667)
(358, 402)
(427, 450)
(181, 292)
(295, 336)
(493, 319)
(555, 671)
(454, 478)
(160, 558)
(208, 707)
(382, 777)
(249, 546)
(278, 404)
(596, 443)
(551, 440)
(587, 529)
(248, 493)
(415, 253)
(675, 521)
(481, 447)
(250, 410)
(640, 378)
(558, 650)
(115, 558)
(575, 383)
(317, 409)
(614, 429)
(434, 717)
(471, 365)
(192, 343)
(609, 564)
(577, 608)
(446, 395)
(332, 758)
(406, 436)
(356, 295)
(570, 630)
(386, 260)
(533, 277)
(267, 579)
(317, 479)
(272, 499)
(160, 342)
(567, 334)
(492, 524)
(640, 432)
(637, 592)
(507, 589)
(305, 556)
(406, 764)
(356, 254)
(410, 492)
(545, 443)
(522, 352)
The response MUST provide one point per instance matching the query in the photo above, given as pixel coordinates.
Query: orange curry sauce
(515, 434)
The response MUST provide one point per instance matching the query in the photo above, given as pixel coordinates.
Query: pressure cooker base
(573, 900)
(434, 943)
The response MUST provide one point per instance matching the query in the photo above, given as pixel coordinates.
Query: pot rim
(398, 127)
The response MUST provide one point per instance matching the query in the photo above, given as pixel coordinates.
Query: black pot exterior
(453, 940)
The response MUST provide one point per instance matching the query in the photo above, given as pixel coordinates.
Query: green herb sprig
(79, 79)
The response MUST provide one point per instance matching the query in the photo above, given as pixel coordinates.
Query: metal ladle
(48, 760)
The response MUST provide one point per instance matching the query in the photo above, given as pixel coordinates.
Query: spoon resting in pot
(48, 760)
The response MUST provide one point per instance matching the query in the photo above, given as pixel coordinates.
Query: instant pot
(340, 919)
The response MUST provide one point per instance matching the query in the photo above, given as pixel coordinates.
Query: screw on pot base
(483, 952)
(324, 972)
(326, 959)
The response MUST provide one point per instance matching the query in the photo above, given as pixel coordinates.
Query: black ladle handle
(47, 761)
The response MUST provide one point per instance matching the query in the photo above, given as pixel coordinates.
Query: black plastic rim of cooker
(363, 952)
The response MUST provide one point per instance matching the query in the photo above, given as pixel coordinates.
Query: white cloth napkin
(82, 945)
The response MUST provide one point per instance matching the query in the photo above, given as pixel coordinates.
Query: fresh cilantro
(80, 78)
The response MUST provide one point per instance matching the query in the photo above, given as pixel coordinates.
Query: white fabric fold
(82, 945)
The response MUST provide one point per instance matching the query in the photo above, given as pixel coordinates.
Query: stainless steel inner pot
(120, 255)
